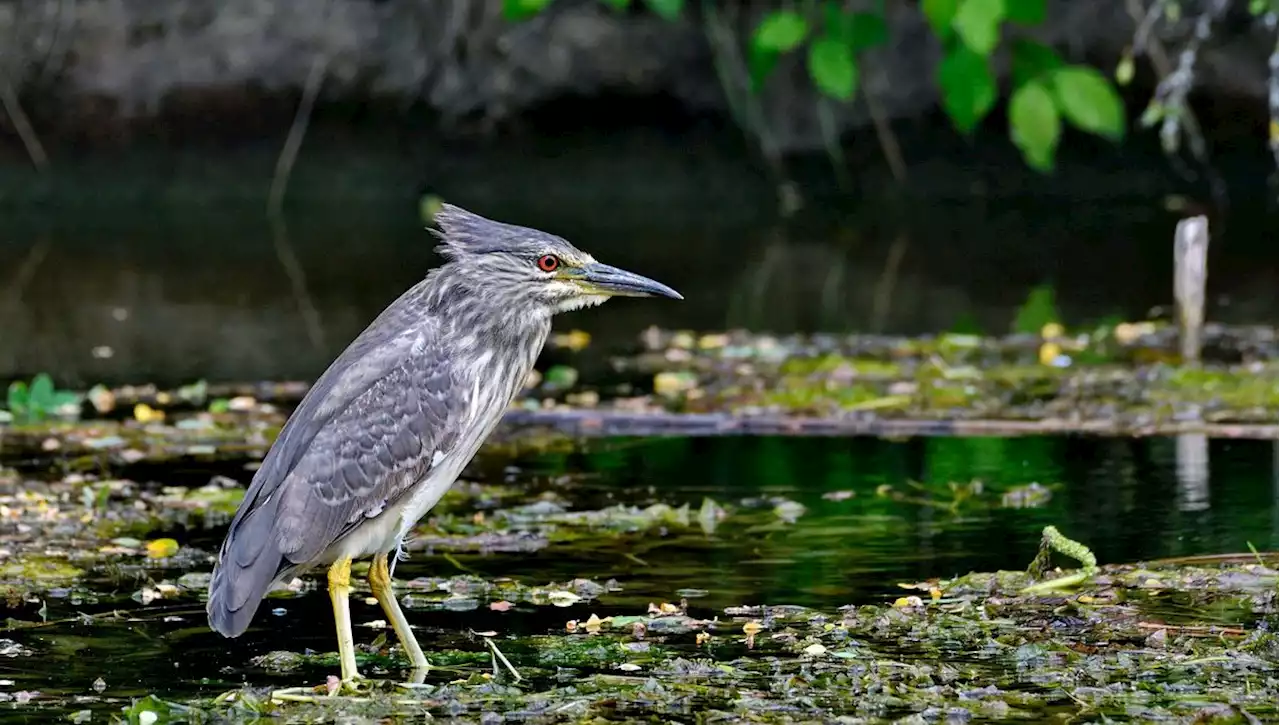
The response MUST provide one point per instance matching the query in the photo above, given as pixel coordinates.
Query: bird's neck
(503, 338)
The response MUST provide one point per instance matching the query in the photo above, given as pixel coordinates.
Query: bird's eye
(548, 263)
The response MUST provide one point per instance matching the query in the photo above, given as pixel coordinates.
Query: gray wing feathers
(364, 433)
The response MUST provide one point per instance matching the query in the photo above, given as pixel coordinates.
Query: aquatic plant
(40, 400)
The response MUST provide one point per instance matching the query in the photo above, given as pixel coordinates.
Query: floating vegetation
(1160, 641)
(1124, 378)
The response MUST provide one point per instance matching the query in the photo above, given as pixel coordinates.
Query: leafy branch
(1046, 91)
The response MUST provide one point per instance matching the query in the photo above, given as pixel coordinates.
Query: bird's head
(522, 266)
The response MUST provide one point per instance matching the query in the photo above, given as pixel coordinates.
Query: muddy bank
(95, 69)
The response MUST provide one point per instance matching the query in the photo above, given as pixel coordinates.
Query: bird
(389, 426)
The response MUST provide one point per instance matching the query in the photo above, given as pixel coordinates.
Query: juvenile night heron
(387, 429)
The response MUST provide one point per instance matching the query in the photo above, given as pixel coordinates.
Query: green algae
(1174, 640)
(977, 646)
(1126, 375)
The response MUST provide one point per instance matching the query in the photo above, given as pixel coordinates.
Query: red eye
(548, 263)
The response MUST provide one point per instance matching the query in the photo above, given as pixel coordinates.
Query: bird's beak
(608, 280)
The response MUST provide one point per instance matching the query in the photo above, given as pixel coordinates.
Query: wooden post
(1190, 270)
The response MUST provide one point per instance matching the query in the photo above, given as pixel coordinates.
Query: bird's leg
(339, 595)
(380, 583)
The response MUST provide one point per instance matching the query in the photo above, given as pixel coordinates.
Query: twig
(1194, 630)
(275, 202)
(457, 564)
(297, 279)
(21, 278)
(22, 125)
(297, 132)
(888, 140)
(493, 646)
(888, 280)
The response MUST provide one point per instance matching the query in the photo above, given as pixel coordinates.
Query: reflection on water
(874, 513)
(161, 266)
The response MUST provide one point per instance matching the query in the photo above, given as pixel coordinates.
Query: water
(159, 265)
(1127, 499)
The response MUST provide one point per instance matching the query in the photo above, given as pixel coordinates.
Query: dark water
(159, 265)
(1127, 499)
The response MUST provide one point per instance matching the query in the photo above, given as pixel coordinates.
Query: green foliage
(977, 23)
(968, 88)
(781, 31)
(516, 10)
(940, 14)
(1039, 309)
(665, 9)
(522, 9)
(1024, 12)
(1034, 124)
(833, 68)
(858, 30)
(1045, 90)
(1032, 60)
(778, 33)
(833, 50)
(966, 324)
(39, 400)
(1089, 102)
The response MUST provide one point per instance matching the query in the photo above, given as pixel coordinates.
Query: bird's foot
(417, 675)
(354, 685)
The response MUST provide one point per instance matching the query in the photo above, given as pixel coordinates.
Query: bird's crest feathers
(464, 232)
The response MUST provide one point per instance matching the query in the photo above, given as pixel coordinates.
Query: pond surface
(819, 523)
(159, 264)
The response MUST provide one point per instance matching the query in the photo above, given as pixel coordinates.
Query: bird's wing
(378, 350)
(363, 434)
(371, 453)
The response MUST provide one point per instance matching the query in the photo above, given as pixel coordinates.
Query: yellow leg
(339, 595)
(380, 583)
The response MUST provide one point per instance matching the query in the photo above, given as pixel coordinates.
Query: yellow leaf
(911, 601)
(146, 414)
(594, 623)
(161, 548)
(1049, 352)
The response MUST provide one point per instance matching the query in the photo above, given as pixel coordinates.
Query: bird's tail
(248, 564)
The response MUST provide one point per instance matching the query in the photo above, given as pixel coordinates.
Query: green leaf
(1031, 60)
(968, 88)
(522, 9)
(41, 397)
(1025, 12)
(666, 9)
(1034, 124)
(760, 63)
(833, 68)
(1089, 101)
(977, 22)
(857, 30)
(618, 5)
(18, 398)
(1039, 309)
(939, 14)
(780, 31)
